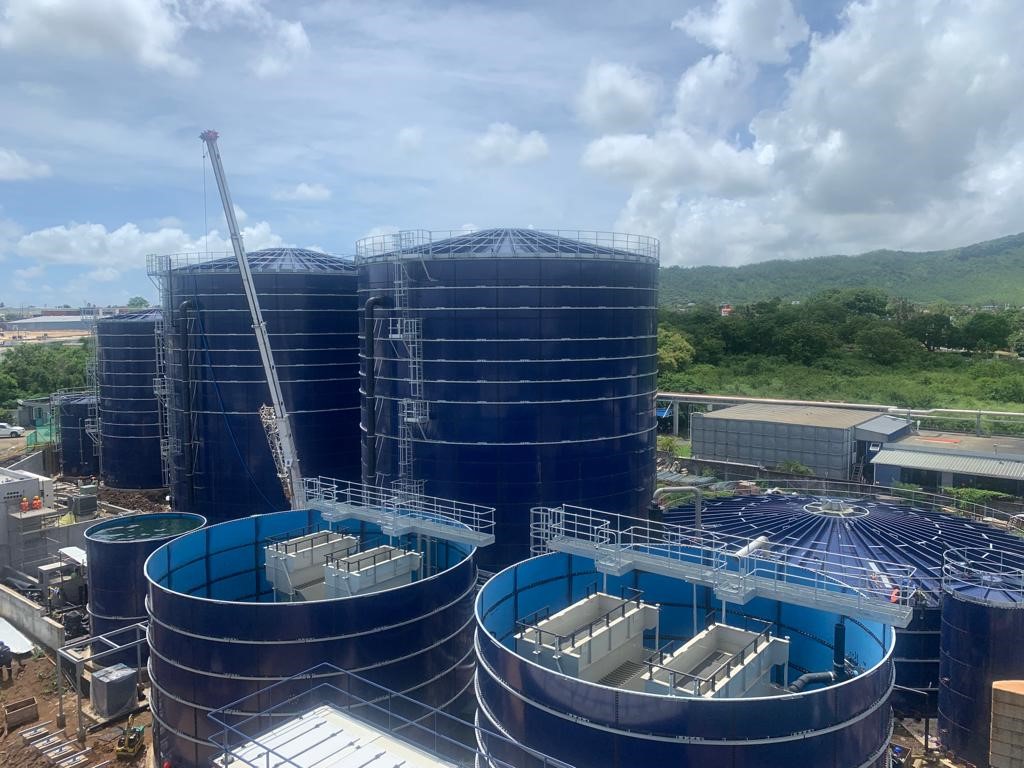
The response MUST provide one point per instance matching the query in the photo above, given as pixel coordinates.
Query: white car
(9, 430)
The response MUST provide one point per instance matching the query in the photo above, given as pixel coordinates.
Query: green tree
(931, 329)
(138, 302)
(885, 344)
(674, 350)
(986, 331)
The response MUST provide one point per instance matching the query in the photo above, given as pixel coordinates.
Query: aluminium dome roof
(868, 530)
(277, 260)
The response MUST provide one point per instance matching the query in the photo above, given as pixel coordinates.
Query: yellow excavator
(131, 741)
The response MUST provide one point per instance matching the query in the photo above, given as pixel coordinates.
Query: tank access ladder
(279, 429)
(737, 569)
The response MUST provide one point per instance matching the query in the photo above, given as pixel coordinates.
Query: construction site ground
(11, 448)
(35, 677)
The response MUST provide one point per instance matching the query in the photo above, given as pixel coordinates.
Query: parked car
(9, 430)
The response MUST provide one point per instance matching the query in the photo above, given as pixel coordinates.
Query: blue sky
(733, 130)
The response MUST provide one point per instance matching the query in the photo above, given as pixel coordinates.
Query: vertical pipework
(369, 388)
(839, 652)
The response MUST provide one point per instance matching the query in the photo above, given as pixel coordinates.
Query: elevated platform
(399, 513)
(734, 567)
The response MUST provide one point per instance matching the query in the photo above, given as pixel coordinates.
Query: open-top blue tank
(511, 368)
(221, 630)
(129, 416)
(221, 462)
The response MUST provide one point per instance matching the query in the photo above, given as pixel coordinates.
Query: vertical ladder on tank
(92, 419)
(413, 410)
(160, 390)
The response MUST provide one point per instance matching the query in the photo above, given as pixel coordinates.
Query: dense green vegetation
(37, 370)
(854, 345)
(985, 273)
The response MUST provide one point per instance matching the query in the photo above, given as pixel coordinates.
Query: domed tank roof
(278, 260)
(513, 242)
(862, 529)
(150, 314)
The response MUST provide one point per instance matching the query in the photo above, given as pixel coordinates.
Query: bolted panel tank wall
(825, 450)
(588, 725)
(221, 464)
(216, 633)
(129, 417)
(982, 623)
(77, 449)
(533, 373)
(116, 551)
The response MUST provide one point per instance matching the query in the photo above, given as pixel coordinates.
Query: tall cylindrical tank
(77, 447)
(216, 634)
(222, 466)
(982, 623)
(616, 724)
(129, 416)
(116, 553)
(512, 368)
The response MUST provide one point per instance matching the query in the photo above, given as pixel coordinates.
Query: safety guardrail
(986, 576)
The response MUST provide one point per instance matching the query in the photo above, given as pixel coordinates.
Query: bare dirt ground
(35, 677)
(11, 448)
(143, 501)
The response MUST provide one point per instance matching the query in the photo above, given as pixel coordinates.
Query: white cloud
(902, 129)
(112, 252)
(14, 167)
(29, 272)
(505, 144)
(755, 30)
(285, 42)
(305, 192)
(147, 31)
(617, 98)
(409, 138)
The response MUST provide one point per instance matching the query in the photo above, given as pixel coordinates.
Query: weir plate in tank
(399, 513)
(733, 566)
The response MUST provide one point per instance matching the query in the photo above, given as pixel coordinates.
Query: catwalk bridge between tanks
(399, 513)
(733, 566)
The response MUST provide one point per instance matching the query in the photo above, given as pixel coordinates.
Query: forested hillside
(985, 273)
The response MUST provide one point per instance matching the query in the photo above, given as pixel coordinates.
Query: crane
(275, 419)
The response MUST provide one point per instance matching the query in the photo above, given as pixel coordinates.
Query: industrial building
(511, 368)
(836, 443)
(217, 451)
(935, 460)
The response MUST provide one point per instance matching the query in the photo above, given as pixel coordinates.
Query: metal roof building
(832, 442)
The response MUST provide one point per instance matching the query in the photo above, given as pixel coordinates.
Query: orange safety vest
(24, 505)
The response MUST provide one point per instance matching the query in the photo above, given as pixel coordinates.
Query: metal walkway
(736, 568)
(399, 513)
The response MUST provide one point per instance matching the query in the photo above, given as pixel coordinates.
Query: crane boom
(290, 472)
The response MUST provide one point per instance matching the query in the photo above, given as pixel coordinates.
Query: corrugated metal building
(944, 459)
(831, 442)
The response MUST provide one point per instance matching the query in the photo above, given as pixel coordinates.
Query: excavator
(131, 741)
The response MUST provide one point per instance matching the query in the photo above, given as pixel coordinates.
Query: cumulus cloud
(902, 129)
(14, 167)
(617, 98)
(755, 30)
(305, 192)
(505, 144)
(409, 138)
(147, 31)
(112, 252)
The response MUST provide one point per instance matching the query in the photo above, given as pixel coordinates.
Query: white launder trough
(297, 565)
(370, 571)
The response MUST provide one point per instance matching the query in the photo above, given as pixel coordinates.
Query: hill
(991, 272)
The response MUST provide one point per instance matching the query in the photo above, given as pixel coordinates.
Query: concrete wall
(1006, 748)
(32, 463)
(28, 617)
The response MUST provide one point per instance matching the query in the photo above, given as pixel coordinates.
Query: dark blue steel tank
(525, 377)
(982, 623)
(77, 448)
(222, 467)
(216, 634)
(116, 552)
(588, 725)
(902, 534)
(129, 416)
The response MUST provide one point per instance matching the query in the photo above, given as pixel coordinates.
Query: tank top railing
(736, 567)
(987, 576)
(400, 512)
